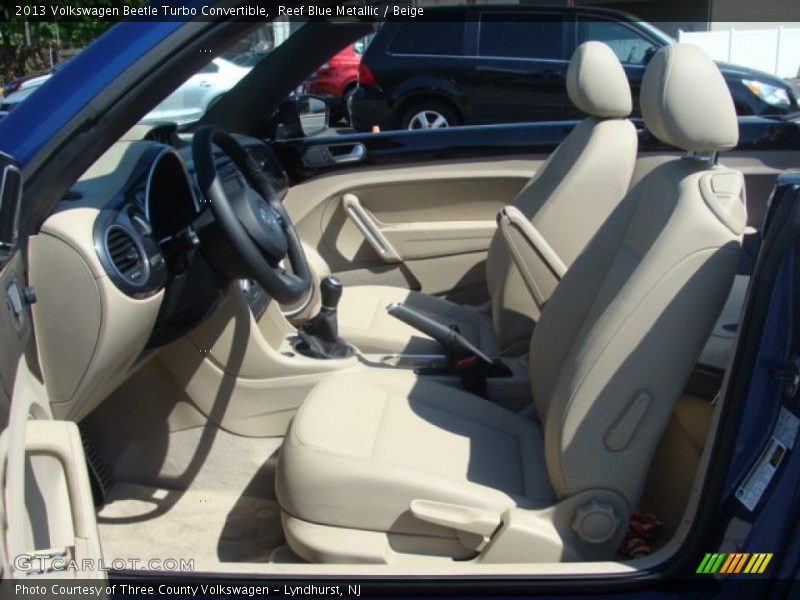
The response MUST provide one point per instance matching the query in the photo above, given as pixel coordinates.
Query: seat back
(621, 334)
(572, 194)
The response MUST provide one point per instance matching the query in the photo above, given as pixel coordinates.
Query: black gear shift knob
(330, 290)
(320, 335)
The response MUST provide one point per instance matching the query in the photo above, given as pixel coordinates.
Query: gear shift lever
(320, 335)
(331, 291)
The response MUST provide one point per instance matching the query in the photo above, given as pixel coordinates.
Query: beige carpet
(210, 527)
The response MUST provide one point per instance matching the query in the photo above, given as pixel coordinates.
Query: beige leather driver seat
(566, 201)
(388, 467)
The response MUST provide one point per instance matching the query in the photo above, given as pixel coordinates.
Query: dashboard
(157, 234)
(136, 246)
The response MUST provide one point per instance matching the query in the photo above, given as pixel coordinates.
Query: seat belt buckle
(466, 362)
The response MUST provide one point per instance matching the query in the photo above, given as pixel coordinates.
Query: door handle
(356, 154)
(334, 154)
(368, 228)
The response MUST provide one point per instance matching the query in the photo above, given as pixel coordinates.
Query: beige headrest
(596, 82)
(686, 102)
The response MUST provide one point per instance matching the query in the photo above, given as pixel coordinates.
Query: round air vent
(126, 255)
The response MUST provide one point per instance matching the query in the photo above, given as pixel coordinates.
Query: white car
(185, 105)
(191, 100)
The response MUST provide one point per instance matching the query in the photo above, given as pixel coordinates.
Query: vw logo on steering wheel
(268, 218)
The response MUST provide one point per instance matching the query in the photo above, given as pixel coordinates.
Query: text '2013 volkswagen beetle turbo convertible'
(524, 354)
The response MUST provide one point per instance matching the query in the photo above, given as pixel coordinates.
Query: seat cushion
(362, 447)
(364, 322)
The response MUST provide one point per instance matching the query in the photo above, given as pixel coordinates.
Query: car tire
(429, 114)
(344, 109)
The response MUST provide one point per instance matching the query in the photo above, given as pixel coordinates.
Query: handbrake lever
(458, 350)
(462, 356)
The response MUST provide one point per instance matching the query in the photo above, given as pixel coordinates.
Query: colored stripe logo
(735, 562)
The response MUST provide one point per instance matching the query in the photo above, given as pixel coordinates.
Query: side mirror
(302, 116)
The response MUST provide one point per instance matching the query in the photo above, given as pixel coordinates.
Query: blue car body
(39, 119)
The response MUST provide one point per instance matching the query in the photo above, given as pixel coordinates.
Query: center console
(461, 363)
(246, 367)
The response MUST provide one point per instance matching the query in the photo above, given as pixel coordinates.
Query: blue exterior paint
(41, 116)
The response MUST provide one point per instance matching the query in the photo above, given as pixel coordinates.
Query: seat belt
(533, 243)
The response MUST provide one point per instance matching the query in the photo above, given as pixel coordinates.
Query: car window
(443, 38)
(629, 46)
(512, 35)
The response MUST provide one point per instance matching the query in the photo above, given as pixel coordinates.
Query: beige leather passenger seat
(567, 200)
(388, 467)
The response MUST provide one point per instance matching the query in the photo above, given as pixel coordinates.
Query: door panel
(425, 219)
(488, 142)
(438, 220)
(46, 505)
(401, 148)
(432, 196)
(53, 522)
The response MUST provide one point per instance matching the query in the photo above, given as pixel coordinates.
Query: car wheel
(429, 115)
(345, 106)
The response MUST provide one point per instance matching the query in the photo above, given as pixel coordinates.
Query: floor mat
(210, 527)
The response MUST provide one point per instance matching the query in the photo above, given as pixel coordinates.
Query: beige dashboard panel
(89, 333)
(68, 314)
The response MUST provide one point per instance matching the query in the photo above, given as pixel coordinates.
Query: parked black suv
(495, 64)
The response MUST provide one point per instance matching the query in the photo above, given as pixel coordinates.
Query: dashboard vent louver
(126, 255)
(162, 135)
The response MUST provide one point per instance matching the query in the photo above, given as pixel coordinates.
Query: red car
(336, 79)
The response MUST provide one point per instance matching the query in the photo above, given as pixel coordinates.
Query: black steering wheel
(253, 217)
